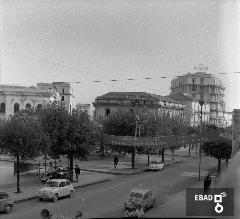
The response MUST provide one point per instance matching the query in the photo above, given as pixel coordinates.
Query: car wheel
(8, 209)
(70, 194)
(55, 197)
(40, 199)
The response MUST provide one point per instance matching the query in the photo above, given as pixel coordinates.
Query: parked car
(59, 173)
(144, 197)
(6, 203)
(56, 188)
(156, 165)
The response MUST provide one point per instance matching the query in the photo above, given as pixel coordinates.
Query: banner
(158, 142)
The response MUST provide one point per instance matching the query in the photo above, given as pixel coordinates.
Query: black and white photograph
(119, 108)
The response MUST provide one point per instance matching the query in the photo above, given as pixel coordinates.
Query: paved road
(107, 199)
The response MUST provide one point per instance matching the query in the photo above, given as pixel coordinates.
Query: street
(107, 199)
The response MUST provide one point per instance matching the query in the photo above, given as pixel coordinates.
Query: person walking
(115, 161)
(207, 183)
(77, 172)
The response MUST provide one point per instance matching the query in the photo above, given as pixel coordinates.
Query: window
(2, 108)
(107, 112)
(201, 80)
(63, 90)
(61, 184)
(62, 98)
(16, 107)
(67, 183)
(28, 106)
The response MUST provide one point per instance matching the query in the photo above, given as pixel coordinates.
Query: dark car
(6, 203)
(59, 173)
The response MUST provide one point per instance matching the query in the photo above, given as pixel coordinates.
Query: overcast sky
(78, 40)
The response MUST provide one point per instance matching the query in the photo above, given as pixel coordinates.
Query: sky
(103, 40)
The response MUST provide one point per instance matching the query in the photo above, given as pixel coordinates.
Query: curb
(99, 171)
(75, 187)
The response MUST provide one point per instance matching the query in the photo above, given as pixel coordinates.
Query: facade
(135, 102)
(228, 118)
(65, 92)
(15, 98)
(206, 87)
(84, 108)
(193, 109)
(235, 130)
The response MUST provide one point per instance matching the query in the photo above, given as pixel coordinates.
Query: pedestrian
(207, 183)
(77, 172)
(115, 161)
(45, 214)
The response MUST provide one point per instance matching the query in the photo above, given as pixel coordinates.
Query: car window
(136, 195)
(52, 184)
(68, 183)
(61, 184)
(149, 194)
(3, 196)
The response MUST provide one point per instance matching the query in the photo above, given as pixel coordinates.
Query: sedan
(156, 165)
(55, 189)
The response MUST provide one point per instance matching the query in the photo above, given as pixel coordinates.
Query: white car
(156, 165)
(143, 197)
(56, 188)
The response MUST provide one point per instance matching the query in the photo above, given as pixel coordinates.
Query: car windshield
(3, 196)
(155, 162)
(52, 184)
(135, 195)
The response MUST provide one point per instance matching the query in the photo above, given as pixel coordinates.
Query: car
(6, 203)
(144, 197)
(56, 188)
(156, 165)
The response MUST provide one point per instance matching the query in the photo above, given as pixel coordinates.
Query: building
(193, 109)
(14, 98)
(235, 130)
(228, 118)
(206, 87)
(65, 92)
(135, 102)
(83, 108)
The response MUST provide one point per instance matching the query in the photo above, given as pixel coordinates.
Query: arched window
(16, 107)
(39, 106)
(28, 106)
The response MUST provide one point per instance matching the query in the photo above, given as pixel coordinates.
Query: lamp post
(201, 102)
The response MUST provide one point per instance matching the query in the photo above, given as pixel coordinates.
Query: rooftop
(180, 97)
(136, 95)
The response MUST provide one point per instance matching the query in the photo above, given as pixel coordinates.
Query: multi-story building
(14, 98)
(206, 87)
(193, 109)
(228, 118)
(65, 92)
(135, 102)
(235, 131)
(83, 108)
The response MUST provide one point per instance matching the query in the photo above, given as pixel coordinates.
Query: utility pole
(201, 102)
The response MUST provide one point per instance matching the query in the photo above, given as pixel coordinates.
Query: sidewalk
(124, 165)
(30, 192)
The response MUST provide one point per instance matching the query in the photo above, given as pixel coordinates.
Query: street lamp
(201, 102)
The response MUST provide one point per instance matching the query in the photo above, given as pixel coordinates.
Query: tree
(148, 125)
(73, 134)
(220, 149)
(22, 138)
